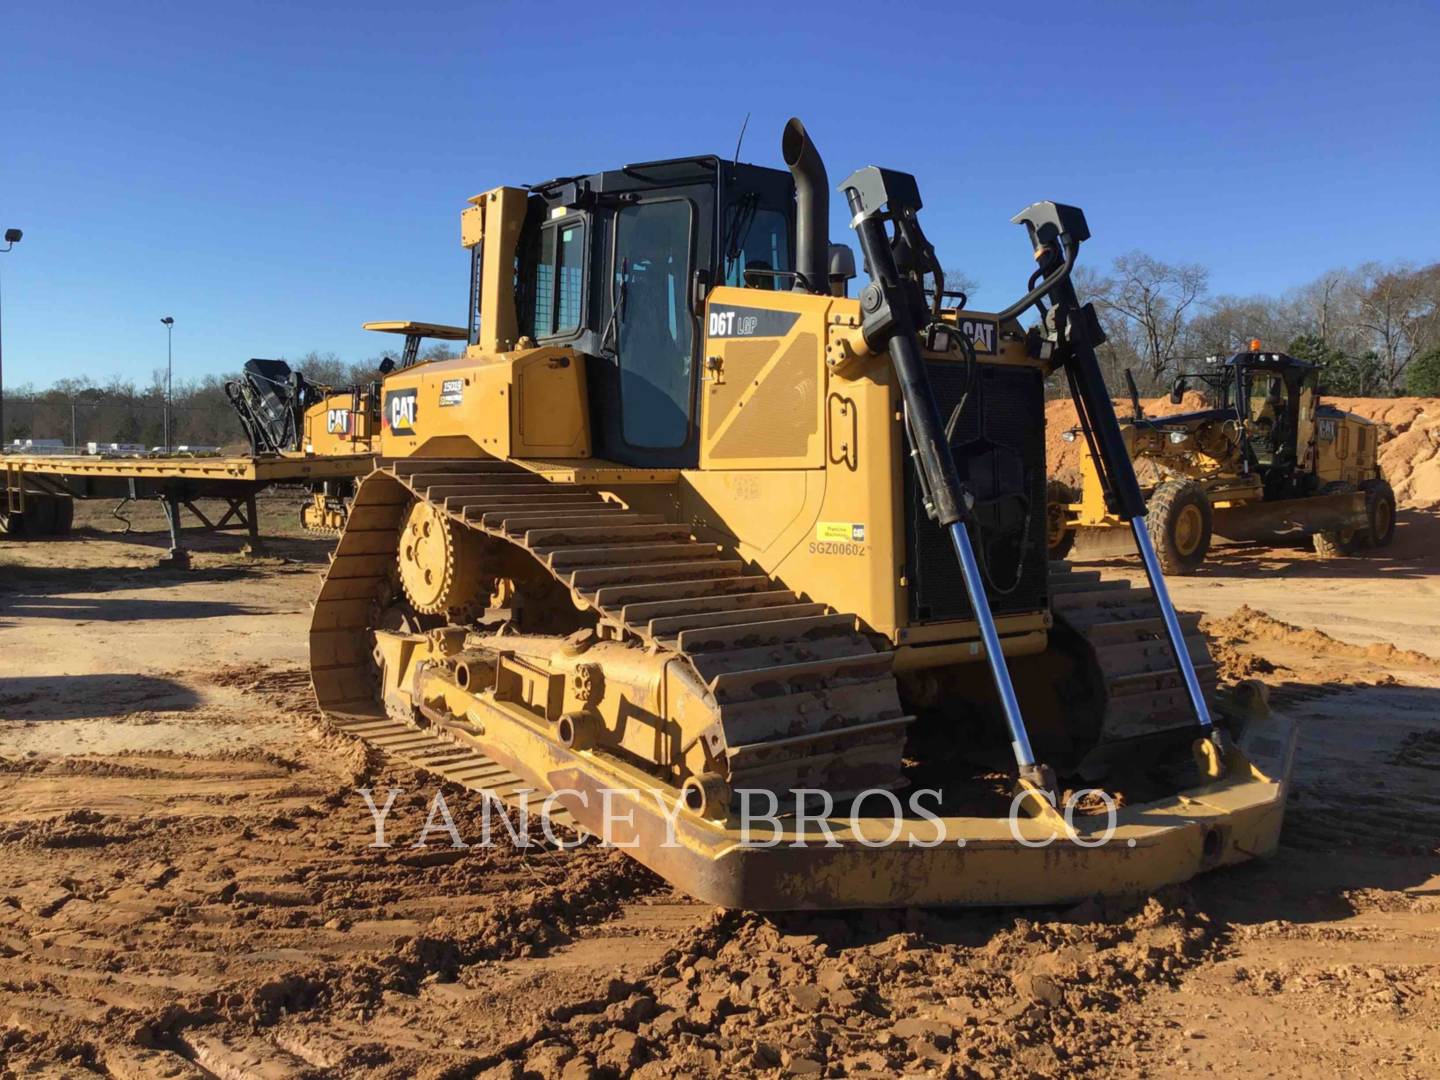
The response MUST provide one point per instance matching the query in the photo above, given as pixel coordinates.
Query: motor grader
(1264, 460)
(693, 551)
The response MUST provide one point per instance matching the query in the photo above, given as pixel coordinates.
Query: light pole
(169, 335)
(12, 237)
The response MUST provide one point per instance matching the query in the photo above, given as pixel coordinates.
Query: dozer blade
(872, 860)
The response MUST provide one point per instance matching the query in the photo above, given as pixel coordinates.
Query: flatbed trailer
(39, 489)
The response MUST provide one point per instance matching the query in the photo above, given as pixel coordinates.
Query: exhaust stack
(812, 206)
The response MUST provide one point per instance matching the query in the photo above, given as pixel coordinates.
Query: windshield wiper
(610, 339)
(742, 217)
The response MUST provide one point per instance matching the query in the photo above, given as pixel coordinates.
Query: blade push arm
(1056, 233)
(891, 306)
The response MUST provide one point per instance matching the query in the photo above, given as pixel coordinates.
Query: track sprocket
(438, 569)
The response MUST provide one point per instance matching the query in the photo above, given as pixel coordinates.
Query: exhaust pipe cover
(812, 206)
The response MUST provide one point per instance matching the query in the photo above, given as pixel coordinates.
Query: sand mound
(1409, 440)
(1396, 413)
(1248, 625)
(1411, 462)
(1409, 445)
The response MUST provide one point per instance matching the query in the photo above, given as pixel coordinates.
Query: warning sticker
(848, 532)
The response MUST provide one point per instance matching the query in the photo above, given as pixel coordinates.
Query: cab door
(644, 389)
(1305, 426)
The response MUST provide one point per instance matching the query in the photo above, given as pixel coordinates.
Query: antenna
(741, 139)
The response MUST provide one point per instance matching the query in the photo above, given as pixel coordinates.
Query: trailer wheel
(1379, 511)
(1179, 520)
(1335, 543)
(42, 515)
(1059, 539)
(64, 514)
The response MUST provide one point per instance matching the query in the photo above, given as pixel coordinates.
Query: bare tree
(322, 369)
(1399, 311)
(1154, 298)
(956, 280)
(1229, 323)
(439, 350)
(1121, 347)
(1326, 297)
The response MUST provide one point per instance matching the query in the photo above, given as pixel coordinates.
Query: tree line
(1374, 331)
(80, 410)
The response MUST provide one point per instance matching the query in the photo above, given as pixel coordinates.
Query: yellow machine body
(1243, 470)
(349, 422)
(647, 641)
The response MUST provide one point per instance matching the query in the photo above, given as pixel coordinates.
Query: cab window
(1267, 395)
(559, 278)
(756, 239)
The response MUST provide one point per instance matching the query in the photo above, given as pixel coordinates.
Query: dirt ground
(187, 886)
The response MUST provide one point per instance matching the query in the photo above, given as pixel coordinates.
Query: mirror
(1177, 391)
(841, 269)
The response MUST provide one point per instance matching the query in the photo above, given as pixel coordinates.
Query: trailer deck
(38, 489)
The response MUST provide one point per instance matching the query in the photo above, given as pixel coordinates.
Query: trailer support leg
(177, 556)
(252, 523)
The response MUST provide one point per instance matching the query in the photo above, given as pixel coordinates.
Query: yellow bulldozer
(286, 415)
(1264, 460)
(696, 552)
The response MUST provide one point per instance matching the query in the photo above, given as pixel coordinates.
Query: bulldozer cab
(617, 266)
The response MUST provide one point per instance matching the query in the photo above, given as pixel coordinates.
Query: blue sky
(274, 174)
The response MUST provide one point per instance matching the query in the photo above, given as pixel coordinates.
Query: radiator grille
(999, 450)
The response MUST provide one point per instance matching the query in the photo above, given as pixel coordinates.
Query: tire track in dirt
(134, 927)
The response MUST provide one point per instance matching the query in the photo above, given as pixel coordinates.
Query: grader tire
(1379, 512)
(1336, 543)
(1179, 521)
(1059, 539)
